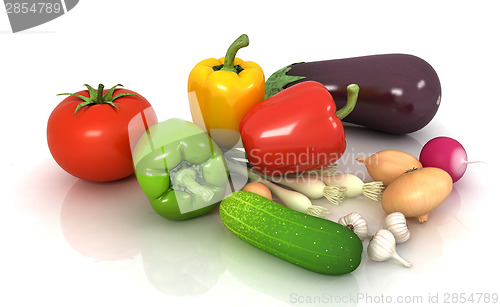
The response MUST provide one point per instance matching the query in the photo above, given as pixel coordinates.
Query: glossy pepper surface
(222, 90)
(298, 129)
(180, 169)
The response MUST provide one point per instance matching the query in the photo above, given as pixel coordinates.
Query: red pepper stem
(239, 43)
(352, 97)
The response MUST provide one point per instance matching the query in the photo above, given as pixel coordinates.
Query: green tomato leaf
(81, 105)
(123, 94)
(109, 94)
(92, 92)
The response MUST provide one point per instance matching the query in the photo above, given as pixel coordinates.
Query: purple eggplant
(399, 93)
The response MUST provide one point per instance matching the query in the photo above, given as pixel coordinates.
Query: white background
(70, 242)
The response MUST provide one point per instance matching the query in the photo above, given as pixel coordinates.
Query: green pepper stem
(239, 43)
(352, 97)
(187, 177)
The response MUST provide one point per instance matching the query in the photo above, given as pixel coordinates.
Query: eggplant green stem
(278, 80)
(97, 96)
(352, 98)
(239, 43)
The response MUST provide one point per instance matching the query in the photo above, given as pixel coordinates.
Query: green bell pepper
(180, 169)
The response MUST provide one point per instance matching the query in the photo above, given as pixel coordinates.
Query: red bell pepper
(296, 130)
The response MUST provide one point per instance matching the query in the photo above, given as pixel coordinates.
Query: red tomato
(93, 143)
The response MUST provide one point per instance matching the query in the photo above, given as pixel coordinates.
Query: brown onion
(417, 192)
(387, 165)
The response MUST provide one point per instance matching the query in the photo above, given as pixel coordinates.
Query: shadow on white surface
(182, 258)
(103, 220)
(282, 280)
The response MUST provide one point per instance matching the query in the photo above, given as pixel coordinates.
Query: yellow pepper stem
(239, 43)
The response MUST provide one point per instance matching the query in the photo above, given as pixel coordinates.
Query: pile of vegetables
(417, 186)
(284, 136)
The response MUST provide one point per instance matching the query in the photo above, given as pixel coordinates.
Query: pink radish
(447, 154)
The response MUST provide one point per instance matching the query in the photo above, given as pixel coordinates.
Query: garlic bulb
(355, 222)
(396, 223)
(382, 246)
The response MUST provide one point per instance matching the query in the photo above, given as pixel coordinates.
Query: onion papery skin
(387, 165)
(417, 192)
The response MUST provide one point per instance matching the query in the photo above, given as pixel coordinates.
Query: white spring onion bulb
(354, 186)
(355, 222)
(292, 199)
(329, 170)
(396, 223)
(310, 185)
(382, 247)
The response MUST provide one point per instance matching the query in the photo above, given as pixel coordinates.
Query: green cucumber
(310, 242)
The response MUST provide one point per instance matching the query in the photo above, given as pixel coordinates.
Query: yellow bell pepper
(222, 91)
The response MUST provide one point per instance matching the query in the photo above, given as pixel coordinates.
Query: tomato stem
(97, 97)
(99, 94)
